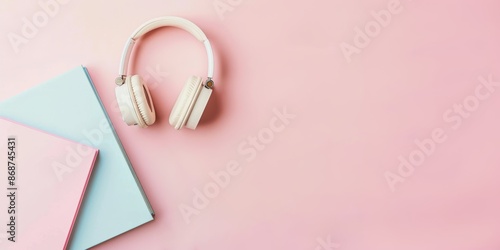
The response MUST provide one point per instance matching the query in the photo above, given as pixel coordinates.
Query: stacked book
(68, 181)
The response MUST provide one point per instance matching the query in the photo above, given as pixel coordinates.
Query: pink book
(43, 178)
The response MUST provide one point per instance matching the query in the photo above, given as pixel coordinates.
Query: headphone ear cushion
(126, 105)
(199, 108)
(143, 100)
(185, 102)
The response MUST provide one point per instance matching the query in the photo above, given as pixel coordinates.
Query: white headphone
(134, 99)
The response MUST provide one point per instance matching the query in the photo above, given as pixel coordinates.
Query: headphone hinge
(120, 80)
(209, 84)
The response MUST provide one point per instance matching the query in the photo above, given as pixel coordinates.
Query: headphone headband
(164, 22)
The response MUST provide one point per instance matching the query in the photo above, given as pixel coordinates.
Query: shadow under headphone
(134, 98)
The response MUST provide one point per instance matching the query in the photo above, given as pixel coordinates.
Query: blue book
(69, 106)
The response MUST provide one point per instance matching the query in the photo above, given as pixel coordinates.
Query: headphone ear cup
(199, 108)
(125, 104)
(143, 100)
(185, 102)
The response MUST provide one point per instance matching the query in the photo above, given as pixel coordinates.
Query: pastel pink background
(323, 176)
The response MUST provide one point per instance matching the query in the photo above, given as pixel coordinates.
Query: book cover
(70, 107)
(44, 179)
